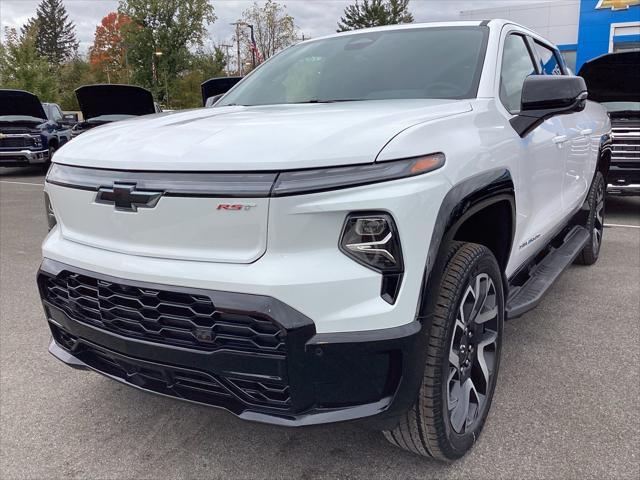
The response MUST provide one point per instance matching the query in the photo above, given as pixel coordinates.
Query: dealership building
(582, 29)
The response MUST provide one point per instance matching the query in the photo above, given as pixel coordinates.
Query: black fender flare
(460, 203)
(463, 200)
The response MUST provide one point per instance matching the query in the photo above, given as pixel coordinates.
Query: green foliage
(374, 13)
(171, 27)
(203, 65)
(55, 36)
(72, 75)
(22, 67)
(44, 60)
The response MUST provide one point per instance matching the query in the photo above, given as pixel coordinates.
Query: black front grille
(161, 316)
(17, 142)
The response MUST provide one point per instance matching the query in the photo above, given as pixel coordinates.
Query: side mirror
(217, 86)
(211, 101)
(545, 96)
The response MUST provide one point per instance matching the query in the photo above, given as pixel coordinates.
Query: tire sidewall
(598, 183)
(461, 443)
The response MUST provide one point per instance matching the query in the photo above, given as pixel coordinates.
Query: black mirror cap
(545, 96)
(544, 92)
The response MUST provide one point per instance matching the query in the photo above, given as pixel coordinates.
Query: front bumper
(623, 179)
(302, 378)
(19, 158)
(624, 190)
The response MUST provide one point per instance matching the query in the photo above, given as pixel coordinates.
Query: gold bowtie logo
(617, 4)
(2, 135)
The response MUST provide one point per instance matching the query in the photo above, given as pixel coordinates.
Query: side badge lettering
(236, 206)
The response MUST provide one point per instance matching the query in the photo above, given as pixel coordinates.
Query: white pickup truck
(340, 237)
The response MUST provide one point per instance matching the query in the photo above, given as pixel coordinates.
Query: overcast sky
(313, 17)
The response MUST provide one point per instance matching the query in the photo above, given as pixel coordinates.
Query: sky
(313, 18)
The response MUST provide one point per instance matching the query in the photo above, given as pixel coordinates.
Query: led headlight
(37, 141)
(372, 240)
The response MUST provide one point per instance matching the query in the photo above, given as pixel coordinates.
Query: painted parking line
(23, 183)
(618, 225)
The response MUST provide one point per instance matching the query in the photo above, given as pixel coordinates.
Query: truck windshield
(431, 62)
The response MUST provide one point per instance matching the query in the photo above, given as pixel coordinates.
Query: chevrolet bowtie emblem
(124, 196)
(2, 135)
(617, 4)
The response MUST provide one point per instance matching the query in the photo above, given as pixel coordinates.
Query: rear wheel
(463, 355)
(595, 222)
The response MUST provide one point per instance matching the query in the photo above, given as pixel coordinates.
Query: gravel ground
(566, 405)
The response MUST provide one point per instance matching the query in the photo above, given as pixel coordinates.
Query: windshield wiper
(339, 100)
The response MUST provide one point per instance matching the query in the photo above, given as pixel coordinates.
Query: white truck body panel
(287, 247)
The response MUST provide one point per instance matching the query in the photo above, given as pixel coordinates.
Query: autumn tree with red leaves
(108, 55)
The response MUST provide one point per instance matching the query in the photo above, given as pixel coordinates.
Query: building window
(625, 46)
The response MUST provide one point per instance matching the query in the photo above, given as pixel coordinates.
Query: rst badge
(235, 207)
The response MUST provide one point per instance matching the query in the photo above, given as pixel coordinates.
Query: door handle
(560, 139)
(586, 131)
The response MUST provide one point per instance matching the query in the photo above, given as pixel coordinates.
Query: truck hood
(614, 77)
(98, 100)
(275, 137)
(20, 103)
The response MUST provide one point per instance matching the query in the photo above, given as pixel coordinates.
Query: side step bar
(542, 275)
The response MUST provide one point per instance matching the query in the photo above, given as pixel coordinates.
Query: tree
(22, 67)
(374, 13)
(108, 55)
(160, 35)
(273, 28)
(203, 65)
(74, 74)
(54, 33)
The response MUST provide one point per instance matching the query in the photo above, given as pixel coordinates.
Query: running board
(542, 275)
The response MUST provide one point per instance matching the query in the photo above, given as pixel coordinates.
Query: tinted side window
(56, 113)
(516, 66)
(549, 63)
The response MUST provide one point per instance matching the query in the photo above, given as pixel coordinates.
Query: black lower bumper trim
(319, 378)
(145, 382)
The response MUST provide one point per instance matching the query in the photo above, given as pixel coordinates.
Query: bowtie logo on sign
(617, 4)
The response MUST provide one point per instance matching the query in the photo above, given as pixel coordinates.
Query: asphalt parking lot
(566, 405)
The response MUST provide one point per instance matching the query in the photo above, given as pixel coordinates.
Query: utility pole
(237, 25)
(253, 45)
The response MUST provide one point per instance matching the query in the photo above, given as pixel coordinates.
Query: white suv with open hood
(340, 237)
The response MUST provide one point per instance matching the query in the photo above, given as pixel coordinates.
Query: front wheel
(463, 355)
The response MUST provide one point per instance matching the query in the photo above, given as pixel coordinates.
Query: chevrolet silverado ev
(340, 237)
